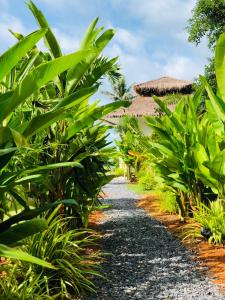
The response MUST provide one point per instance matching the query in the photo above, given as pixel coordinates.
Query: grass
(138, 189)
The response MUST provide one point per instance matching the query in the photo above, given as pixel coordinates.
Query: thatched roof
(140, 106)
(163, 86)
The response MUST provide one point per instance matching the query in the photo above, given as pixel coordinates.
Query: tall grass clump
(69, 251)
(212, 220)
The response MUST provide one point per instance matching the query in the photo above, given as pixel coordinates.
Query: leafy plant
(208, 222)
(147, 178)
(168, 202)
(17, 285)
(68, 251)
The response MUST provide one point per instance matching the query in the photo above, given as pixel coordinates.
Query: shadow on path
(145, 261)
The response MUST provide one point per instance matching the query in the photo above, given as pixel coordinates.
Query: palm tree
(120, 90)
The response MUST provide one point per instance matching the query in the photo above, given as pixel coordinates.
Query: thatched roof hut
(164, 86)
(140, 106)
(144, 105)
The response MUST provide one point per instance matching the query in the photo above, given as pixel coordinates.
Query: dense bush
(147, 178)
(187, 150)
(212, 219)
(168, 201)
(54, 151)
(69, 252)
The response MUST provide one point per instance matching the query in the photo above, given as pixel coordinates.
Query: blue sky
(151, 39)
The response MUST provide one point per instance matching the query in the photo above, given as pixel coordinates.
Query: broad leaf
(22, 230)
(13, 253)
(220, 66)
(36, 79)
(11, 57)
(50, 39)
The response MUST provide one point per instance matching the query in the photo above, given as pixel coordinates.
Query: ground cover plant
(54, 153)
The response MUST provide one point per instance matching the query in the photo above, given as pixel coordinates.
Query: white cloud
(165, 13)
(182, 67)
(68, 42)
(13, 23)
(129, 41)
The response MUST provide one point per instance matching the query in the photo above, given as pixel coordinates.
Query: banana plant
(66, 139)
(26, 77)
(214, 153)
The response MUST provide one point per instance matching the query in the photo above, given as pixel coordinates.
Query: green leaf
(90, 35)
(217, 103)
(12, 253)
(6, 151)
(76, 98)
(21, 231)
(42, 121)
(18, 138)
(170, 115)
(65, 164)
(36, 79)
(19, 199)
(11, 57)
(76, 73)
(50, 39)
(217, 166)
(33, 213)
(202, 172)
(220, 66)
(91, 116)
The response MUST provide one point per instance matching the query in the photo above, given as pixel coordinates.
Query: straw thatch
(140, 106)
(163, 86)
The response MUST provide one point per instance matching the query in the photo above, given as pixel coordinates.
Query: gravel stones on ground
(144, 261)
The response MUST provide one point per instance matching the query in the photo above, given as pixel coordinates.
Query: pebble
(146, 261)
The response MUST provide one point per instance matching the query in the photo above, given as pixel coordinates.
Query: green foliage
(210, 219)
(65, 249)
(146, 178)
(120, 91)
(13, 253)
(168, 202)
(187, 150)
(137, 188)
(17, 287)
(118, 172)
(208, 20)
(130, 133)
(54, 150)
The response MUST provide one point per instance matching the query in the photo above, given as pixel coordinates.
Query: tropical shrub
(67, 250)
(17, 285)
(129, 149)
(118, 172)
(168, 201)
(54, 151)
(212, 218)
(75, 138)
(147, 178)
(187, 149)
(208, 222)
(30, 77)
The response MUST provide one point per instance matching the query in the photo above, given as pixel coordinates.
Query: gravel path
(146, 261)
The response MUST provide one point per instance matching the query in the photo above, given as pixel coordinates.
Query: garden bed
(210, 256)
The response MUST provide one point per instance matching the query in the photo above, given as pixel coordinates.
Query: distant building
(143, 103)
